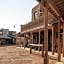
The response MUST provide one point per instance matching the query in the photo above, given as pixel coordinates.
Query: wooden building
(47, 26)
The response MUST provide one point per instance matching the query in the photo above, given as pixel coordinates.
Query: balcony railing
(35, 23)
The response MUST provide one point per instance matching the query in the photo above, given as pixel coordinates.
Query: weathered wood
(63, 51)
(52, 40)
(37, 45)
(53, 7)
(30, 49)
(46, 61)
(59, 45)
(35, 29)
(42, 49)
(31, 37)
(24, 37)
(63, 41)
(39, 41)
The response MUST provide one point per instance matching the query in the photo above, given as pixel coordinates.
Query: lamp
(16, 25)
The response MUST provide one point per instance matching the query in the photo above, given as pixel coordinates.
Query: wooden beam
(60, 2)
(53, 7)
(59, 45)
(63, 40)
(62, 20)
(31, 37)
(46, 61)
(24, 37)
(36, 29)
(53, 41)
(39, 41)
(30, 49)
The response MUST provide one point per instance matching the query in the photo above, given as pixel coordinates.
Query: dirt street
(14, 55)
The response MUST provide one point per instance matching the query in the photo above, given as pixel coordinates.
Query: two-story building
(35, 28)
(47, 26)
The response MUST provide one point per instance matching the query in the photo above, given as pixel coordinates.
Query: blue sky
(15, 12)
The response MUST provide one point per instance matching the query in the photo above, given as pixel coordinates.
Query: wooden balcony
(35, 23)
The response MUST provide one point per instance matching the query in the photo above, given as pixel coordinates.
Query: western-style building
(47, 27)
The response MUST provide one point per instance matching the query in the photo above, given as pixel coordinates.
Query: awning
(5, 37)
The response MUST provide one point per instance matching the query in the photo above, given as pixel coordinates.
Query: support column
(39, 41)
(53, 41)
(25, 39)
(31, 37)
(24, 35)
(63, 40)
(59, 45)
(46, 61)
(31, 41)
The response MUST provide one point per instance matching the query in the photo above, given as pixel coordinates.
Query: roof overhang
(36, 28)
(56, 7)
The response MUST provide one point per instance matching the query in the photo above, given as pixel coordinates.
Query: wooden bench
(36, 45)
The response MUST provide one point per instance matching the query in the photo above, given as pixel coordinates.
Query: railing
(35, 23)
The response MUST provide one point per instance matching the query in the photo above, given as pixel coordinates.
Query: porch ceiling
(58, 5)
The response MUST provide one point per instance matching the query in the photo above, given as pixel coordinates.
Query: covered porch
(56, 8)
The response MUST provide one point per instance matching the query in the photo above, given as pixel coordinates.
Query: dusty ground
(14, 55)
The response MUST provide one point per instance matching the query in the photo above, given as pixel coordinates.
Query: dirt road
(14, 55)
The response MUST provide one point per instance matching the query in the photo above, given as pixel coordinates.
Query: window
(41, 12)
(36, 15)
(0, 33)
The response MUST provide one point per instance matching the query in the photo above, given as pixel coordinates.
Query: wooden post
(31, 37)
(24, 37)
(59, 45)
(63, 40)
(46, 61)
(42, 49)
(39, 41)
(52, 40)
(31, 41)
(30, 49)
